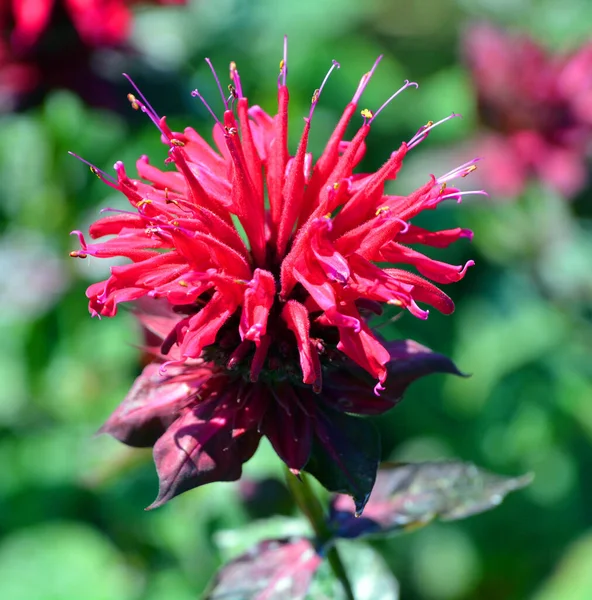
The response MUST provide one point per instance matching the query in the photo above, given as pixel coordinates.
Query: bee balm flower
(536, 106)
(266, 333)
(98, 22)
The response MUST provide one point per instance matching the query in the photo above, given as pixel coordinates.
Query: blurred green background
(72, 524)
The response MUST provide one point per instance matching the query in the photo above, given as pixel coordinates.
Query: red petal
(296, 317)
(258, 300)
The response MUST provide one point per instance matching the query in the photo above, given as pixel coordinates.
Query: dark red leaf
(352, 391)
(200, 447)
(288, 427)
(410, 361)
(345, 455)
(151, 405)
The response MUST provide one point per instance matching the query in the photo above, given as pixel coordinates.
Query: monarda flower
(255, 273)
(98, 22)
(50, 44)
(536, 107)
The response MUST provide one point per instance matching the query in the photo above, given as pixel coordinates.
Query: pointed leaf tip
(198, 449)
(409, 361)
(346, 455)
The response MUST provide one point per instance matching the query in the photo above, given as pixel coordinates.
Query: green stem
(339, 571)
(309, 504)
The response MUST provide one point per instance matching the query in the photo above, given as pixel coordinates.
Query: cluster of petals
(268, 266)
(537, 107)
(98, 22)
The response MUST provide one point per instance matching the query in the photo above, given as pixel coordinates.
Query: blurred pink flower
(47, 44)
(267, 333)
(16, 78)
(98, 22)
(536, 107)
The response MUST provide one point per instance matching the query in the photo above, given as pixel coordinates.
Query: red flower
(266, 333)
(98, 22)
(39, 51)
(538, 109)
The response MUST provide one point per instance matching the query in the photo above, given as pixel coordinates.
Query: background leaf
(273, 569)
(369, 575)
(409, 495)
(83, 565)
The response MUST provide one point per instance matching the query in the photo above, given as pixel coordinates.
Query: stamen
(317, 93)
(133, 102)
(235, 78)
(284, 64)
(365, 80)
(233, 95)
(461, 171)
(367, 114)
(395, 302)
(96, 171)
(196, 94)
(401, 89)
(422, 133)
(459, 195)
(144, 105)
(217, 82)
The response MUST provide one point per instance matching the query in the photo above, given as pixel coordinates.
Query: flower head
(537, 107)
(52, 44)
(266, 332)
(98, 22)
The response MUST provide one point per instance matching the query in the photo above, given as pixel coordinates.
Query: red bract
(537, 106)
(98, 22)
(266, 332)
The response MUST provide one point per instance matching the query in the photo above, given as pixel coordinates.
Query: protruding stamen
(217, 82)
(95, 171)
(461, 171)
(401, 89)
(235, 78)
(459, 195)
(195, 93)
(133, 101)
(367, 114)
(143, 105)
(422, 133)
(232, 95)
(284, 64)
(317, 93)
(365, 80)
